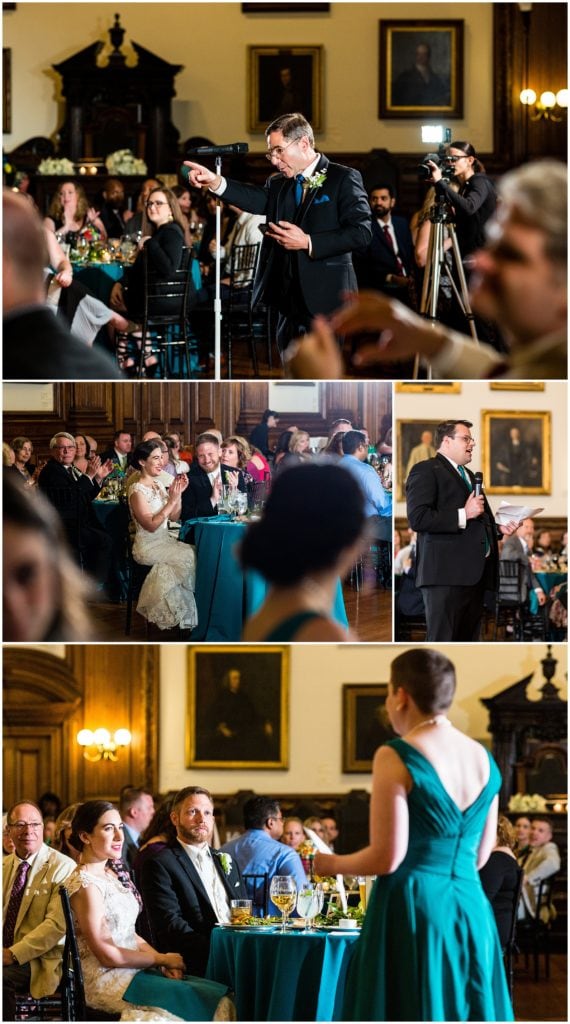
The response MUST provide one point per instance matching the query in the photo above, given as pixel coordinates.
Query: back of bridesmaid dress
(429, 949)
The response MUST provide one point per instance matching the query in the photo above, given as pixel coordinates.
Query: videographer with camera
(476, 200)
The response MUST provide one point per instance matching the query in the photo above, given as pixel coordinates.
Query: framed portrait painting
(238, 707)
(414, 443)
(421, 69)
(516, 452)
(365, 724)
(282, 80)
(6, 90)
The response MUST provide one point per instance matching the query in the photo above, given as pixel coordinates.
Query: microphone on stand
(478, 484)
(232, 147)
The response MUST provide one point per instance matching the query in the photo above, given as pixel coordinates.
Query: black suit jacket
(39, 346)
(336, 216)
(379, 259)
(129, 852)
(196, 502)
(112, 455)
(445, 554)
(54, 480)
(180, 914)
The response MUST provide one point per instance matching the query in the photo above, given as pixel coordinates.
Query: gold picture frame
(409, 436)
(427, 387)
(403, 92)
(365, 726)
(237, 712)
(282, 80)
(511, 468)
(516, 385)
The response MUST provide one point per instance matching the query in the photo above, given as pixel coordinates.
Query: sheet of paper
(508, 513)
(323, 848)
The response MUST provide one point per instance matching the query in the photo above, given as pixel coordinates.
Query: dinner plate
(247, 927)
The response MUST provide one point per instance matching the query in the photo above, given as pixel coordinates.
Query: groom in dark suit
(187, 888)
(457, 538)
(317, 215)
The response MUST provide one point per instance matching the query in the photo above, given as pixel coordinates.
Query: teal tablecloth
(113, 516)
(99, 278)
(225, 595)
(296, 976)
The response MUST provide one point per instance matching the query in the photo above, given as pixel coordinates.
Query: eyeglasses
(20, 826)
(277, 151)
(156, 202)
(66, 447)
(466, 438)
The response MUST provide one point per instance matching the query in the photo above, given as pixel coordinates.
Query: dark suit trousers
(454, 613)
(16, 980)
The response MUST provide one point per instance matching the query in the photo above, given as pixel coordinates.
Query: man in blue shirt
(378, 503)
(258, 851)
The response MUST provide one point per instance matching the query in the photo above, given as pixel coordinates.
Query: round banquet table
(226, 595)
(296, 976)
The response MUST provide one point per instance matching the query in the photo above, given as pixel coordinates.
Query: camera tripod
(436, 263)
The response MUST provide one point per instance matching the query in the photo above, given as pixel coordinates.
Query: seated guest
(33, 923)
(164, 253)
(331, 830)
(136, 807)
(120, 452)
(316, 826)
(236, 452)
(208, 474)
(333, 448)
(282, 446)
(298, 450)
(72, 493)
(387, 263)
(23, 450)
(44, 592)
(156, 837)
(167, 594)
(38, 345)
(500, 878)
(173, 443)
(62, 837)
(542, 862)
(293, 833)
(543, 546)
(113, 955)
(70, 214)
(113, 208)
(258, 851)
(519, 548)
(311, 532)
(137, 223)
(340, 426)
(192, 218)
(82, 453)
(522, 835)
(378, 502)
(187, 887)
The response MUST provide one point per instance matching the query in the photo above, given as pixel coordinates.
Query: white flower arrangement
(123, 161)
(521, 802)
(226, 862)
(315, 181)
(56, 165)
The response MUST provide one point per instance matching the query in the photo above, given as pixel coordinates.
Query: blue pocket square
(322, 199)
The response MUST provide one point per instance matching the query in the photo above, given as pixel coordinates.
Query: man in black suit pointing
(317, 215)
(457, 542)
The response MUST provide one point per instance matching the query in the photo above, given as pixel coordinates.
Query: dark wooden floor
(545, 999)
(369, 614)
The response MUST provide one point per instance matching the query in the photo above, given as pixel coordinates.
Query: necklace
(436, 720)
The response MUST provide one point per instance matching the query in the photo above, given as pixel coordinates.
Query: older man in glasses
(317, 215)
(457, 542)
(33, 923)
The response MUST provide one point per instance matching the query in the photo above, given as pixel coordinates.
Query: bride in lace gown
(167, 594)
(113, 956)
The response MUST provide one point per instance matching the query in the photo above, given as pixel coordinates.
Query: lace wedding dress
(106, 986)
(167, 594)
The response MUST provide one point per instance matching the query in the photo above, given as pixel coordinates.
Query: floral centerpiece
(114, 487)
(124, 162)
(521, 802)
(56, 165)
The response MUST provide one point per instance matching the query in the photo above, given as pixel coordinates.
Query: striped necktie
(463, 474)
(14, 904)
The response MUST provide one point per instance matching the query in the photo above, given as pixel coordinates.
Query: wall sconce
(549, 107)
(99, 746)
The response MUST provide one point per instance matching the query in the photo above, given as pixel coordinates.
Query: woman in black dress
(500, 878)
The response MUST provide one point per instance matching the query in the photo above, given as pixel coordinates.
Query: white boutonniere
(226, 862)
(315, 181)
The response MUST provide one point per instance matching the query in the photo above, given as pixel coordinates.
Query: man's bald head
(24, 252)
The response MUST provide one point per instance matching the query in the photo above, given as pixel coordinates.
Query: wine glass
(283, 892)
(310, 903)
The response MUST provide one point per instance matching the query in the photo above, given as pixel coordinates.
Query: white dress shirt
(201, 857)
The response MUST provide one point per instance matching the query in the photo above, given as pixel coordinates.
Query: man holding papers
(457, 536)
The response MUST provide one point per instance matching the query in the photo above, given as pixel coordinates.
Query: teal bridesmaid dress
(429, 948)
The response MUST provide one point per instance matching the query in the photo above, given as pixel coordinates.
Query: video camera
(442, 159)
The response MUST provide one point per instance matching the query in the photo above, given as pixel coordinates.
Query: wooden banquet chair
(239, 319)
(511, 946)
(533, 933)
(72, 988)
(257, 888)
(166, 334)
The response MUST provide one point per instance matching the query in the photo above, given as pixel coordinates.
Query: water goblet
(283, 893)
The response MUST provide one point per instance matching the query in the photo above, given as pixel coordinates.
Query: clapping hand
(232, 477)
(178, 485)
(104, 469)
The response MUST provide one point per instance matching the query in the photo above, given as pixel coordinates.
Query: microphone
(232, 147)
(478, 484)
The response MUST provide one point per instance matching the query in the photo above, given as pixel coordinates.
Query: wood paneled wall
(190, 407)
(48, 699)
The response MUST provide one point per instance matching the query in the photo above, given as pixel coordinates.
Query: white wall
(316, 678)
(477, 396)
(211, 39)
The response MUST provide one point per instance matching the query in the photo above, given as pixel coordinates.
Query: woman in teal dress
(429, 948)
